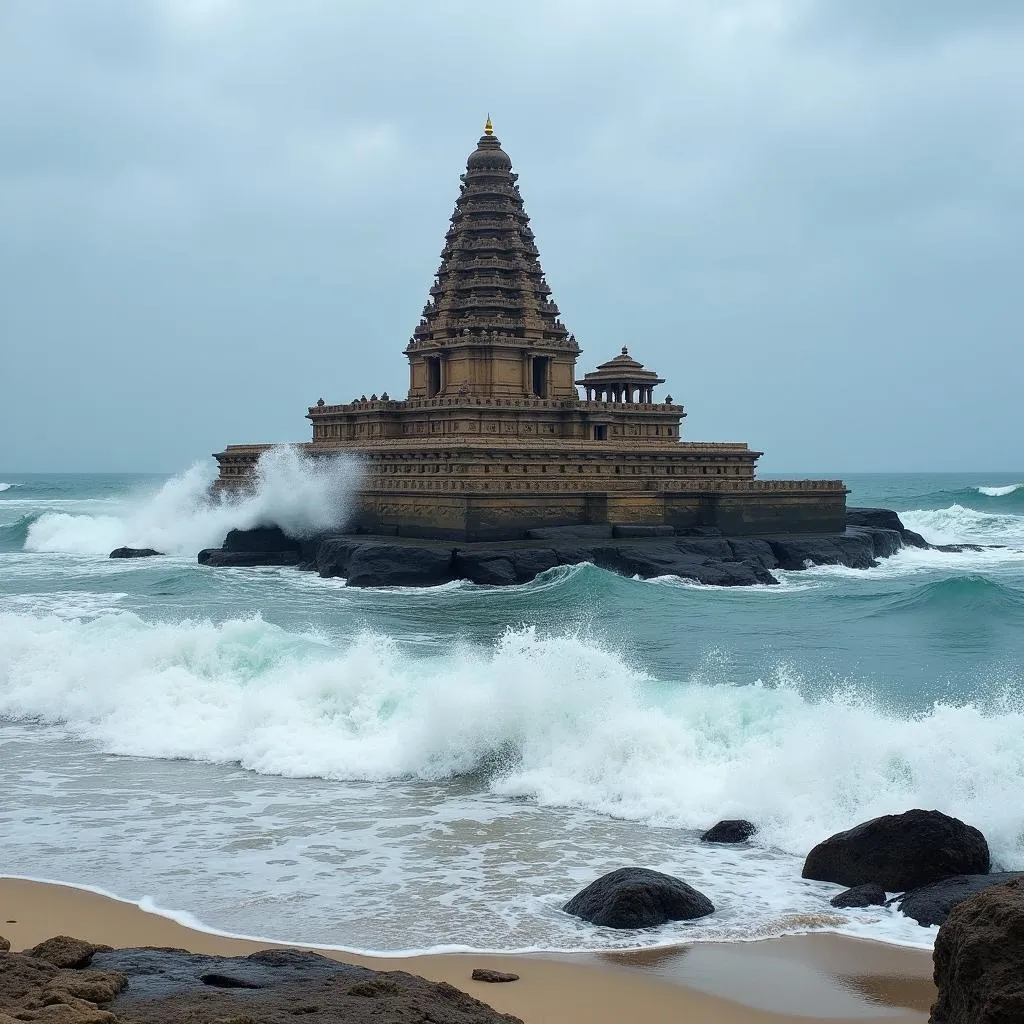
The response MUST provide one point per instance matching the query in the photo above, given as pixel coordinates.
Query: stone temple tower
(490, 327)
(494, 439)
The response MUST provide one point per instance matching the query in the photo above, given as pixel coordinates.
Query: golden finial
(488, 127)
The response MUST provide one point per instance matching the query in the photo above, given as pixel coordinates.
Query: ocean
(268, 753)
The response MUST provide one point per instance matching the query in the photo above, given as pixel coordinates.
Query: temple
(494, 439)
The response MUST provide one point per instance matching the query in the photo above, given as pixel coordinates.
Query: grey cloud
(806, 216)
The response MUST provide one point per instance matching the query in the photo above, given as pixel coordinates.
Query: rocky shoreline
(704, 556)
(978, 951)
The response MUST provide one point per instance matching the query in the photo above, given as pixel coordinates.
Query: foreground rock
(64, 951)
(134, 553)
(32, 989)
(493, 977)
(161, 986)
(638, 898)
(700, 555)
(734, 830)
(979, 953)
(900, 852)
(931, 904)
(860, 896)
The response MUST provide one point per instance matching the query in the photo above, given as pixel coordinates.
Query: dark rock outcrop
(629, 530)
(262, 545)
(65, 951)
(885, 519)
(261, 538)
(732, 830)
(5, 944)
(900, 852)
(599, 531)
(134, 553)
(168, 986)
(220, 559)
(869, 895)
(638, 898)
(931, 904)
(978, 956)
(699, 554)
(391, 563)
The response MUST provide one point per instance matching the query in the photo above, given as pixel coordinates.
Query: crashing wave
(300, 494)
(999, 492)
(559, 719)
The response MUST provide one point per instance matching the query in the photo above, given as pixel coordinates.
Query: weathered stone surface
(275, 986)
(595, 532)
(637, 530)
(978, 956)
(270, 987)
(261, 538)
(531, 562)
(884, 519)
(485, 568)
(134, 553)
(91, 986)
(33, 989)
(5, 944)
(220, 559)
(732, 830)
(900, 852)
(869, 895)
(931, 904)
(638, 898)
(754, 552)
(65, 951)
(399, 565)
(495, 977)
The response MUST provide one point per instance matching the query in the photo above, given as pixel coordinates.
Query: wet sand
(800, 979)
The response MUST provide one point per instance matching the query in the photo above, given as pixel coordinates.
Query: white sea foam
(299, 494)
(999, 492)
(560, 719)
(958, 524)
(6, 487)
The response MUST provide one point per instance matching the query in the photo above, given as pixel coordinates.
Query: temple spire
(490, 319)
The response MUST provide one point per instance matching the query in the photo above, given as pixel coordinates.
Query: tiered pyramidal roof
(490, 287)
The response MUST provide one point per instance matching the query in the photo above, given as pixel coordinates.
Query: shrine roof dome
(488, 154)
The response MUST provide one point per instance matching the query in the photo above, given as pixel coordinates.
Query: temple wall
(501, 493)
(509, 516)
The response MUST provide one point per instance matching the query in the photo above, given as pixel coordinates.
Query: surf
(562, 720)
(301, 495)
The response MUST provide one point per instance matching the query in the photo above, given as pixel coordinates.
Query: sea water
(269, 753)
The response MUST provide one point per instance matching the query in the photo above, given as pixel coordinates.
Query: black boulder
(733, 830)
(900, 852)
(931, 904)
(869, 895)
(638, 898)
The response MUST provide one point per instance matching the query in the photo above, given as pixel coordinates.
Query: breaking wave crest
(1000, 492)
(959, 524)
(297, 493)
(560, 719)
(6, 487)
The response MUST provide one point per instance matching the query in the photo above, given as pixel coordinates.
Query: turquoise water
(276, 754)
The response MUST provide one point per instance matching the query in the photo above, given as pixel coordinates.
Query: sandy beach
(798, 979)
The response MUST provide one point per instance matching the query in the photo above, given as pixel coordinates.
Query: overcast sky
(808, 216)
